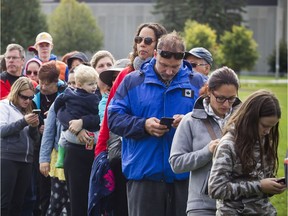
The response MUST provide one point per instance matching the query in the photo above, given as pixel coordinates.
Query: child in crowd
(79, 103)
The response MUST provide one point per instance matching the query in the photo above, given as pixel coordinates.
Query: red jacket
(6, 81)
(103, 136)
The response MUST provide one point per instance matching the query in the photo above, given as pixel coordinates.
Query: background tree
(173, 13)
(221, 15)
(201, 35)
(73, 27)
(282, 59)
(21, 22)
(239, 49)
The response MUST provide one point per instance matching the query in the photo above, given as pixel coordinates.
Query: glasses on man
(24, 97)
(194, 65)
(168, 54)
(12, 57)
(35, 73)
(147, 40)
(222, 99)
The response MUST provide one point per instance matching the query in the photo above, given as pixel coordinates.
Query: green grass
(280, 90)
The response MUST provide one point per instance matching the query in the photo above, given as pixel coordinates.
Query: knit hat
(28, 62)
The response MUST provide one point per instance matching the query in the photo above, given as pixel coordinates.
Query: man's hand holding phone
(168, 121)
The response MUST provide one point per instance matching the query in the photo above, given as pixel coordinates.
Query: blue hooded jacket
(140, 96)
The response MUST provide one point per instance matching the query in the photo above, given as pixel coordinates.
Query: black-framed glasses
(168, 54)
(147, 40)
(222, 99)
(35, 73)
(195, 64)
(26, 97)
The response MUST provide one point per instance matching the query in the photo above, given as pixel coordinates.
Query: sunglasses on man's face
(26, 97)
(35, 73)
(168, 54)
(147, 40)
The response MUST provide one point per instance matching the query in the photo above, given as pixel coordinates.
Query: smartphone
(36, 111)
(167, 121)
(281, 180)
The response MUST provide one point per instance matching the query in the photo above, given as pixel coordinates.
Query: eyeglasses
(26, 97)
(12, 57)
(222, 99)
(30, 72)
(168, 54)
(147, 40)
(195, 64)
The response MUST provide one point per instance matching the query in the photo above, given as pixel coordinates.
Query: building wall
(119, 21)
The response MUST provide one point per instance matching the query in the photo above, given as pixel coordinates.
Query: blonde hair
(99, 55)
(21, 84)
(84, 73)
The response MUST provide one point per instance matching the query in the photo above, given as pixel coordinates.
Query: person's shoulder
(3, 75)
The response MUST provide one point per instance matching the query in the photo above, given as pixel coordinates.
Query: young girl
(245, 164)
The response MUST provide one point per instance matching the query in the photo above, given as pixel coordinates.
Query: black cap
(79, 55)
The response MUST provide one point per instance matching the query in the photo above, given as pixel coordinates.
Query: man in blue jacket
(164, 87)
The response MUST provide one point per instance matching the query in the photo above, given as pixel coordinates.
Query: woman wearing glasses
(32, 68)
(18, 131)
(198, 134)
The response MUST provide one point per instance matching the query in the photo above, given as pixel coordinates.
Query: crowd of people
(88, 138)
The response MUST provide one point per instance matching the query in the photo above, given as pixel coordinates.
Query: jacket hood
(198, 110)
(34, 59)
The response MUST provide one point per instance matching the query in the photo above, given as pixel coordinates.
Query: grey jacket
(190, 152)
(51, 135)
(17, 138)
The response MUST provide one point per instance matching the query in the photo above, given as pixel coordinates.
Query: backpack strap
(210, 129)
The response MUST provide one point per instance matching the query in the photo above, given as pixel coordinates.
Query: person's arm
(222, 183)
(11, 128)
(4, 89)
(120, 119)
(183, 155)
(48, 137)
(103, 136)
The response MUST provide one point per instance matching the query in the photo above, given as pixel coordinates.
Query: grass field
(280, 90)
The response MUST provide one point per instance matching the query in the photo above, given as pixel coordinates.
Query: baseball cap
(108, 76)
(43, 37)
(79, 55)
(201, 53)
(33, 49)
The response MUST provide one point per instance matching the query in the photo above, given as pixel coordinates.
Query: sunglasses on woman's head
(168, 54)
(30, 72)
(147, 40)
(26, 97)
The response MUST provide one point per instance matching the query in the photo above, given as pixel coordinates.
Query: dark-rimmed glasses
(35, 73)
(147, 40)
(195, 64)
(26, 97)
(222, 99)
(168, 54)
